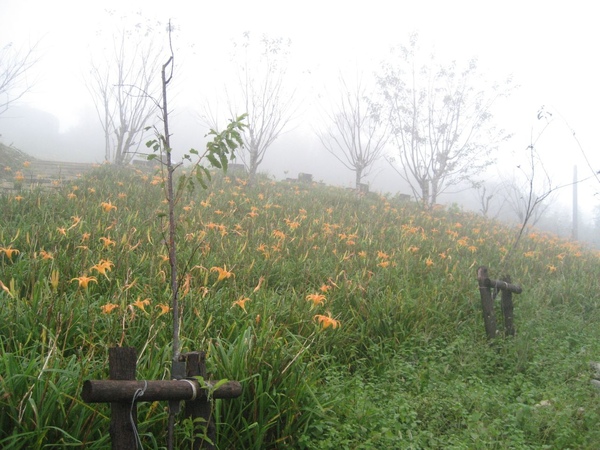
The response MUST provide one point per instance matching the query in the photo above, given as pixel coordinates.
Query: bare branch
(356, 134)
(125, 89)
(262, 94)
(441, 124)
(15, 65)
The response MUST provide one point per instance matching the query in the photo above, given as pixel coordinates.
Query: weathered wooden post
(122, 362)
(506, 303)
(123, 391)
(487, 302)
(200, 410)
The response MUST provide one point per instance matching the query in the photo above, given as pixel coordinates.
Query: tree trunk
(425, 192)
(434, 190)
(358, 173)
(253, 166)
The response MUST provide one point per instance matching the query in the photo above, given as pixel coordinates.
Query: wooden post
(122, 391)
(123, 416)
(507, 308)
(200, 409)
(487, 303)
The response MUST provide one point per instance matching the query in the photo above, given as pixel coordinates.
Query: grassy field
(352, 323)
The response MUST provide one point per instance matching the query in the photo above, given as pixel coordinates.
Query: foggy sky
(548, 47)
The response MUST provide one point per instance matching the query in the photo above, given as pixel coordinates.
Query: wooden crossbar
(109, 391)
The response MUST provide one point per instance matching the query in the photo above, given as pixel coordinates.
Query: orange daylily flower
(103, 266)
(223, 272)
(107, 309)
(164, 308)
(9, 251)
(324, 288)
(241, 302)
(84, 281)
(107, 241)
(429, 262)
(327, 321)
(46, 255)
(107, 206)
(278, 234)
(317, 299)
(141, 303)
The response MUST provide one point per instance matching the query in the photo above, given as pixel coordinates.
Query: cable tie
(193, 385)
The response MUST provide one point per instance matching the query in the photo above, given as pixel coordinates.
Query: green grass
(406, 366)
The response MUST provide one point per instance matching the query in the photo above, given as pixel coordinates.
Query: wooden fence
(487, 302)
(44, 174)
(123, 391)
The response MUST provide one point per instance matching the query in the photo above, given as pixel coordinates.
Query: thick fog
(548, 49)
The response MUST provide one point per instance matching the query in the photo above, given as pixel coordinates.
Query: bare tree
(262, 94)
(441, 123)
(527, 202)
(356, 134)
(528, 198)
(490, 198)
(123, 86)
(15, 66)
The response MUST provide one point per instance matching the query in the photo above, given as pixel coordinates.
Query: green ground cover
(352, 323)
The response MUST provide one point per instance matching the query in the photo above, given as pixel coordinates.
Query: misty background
(548, 49)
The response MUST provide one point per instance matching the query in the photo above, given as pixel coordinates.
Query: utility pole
(575, 232)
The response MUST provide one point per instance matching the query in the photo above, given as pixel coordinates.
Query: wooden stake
(487, 303)
(200, 409)
(122, 366)
(507, 309)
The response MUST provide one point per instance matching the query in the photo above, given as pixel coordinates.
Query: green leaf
(200, 178)
(223, 158)
(213, 160)
(206, 172)
(181, 183)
